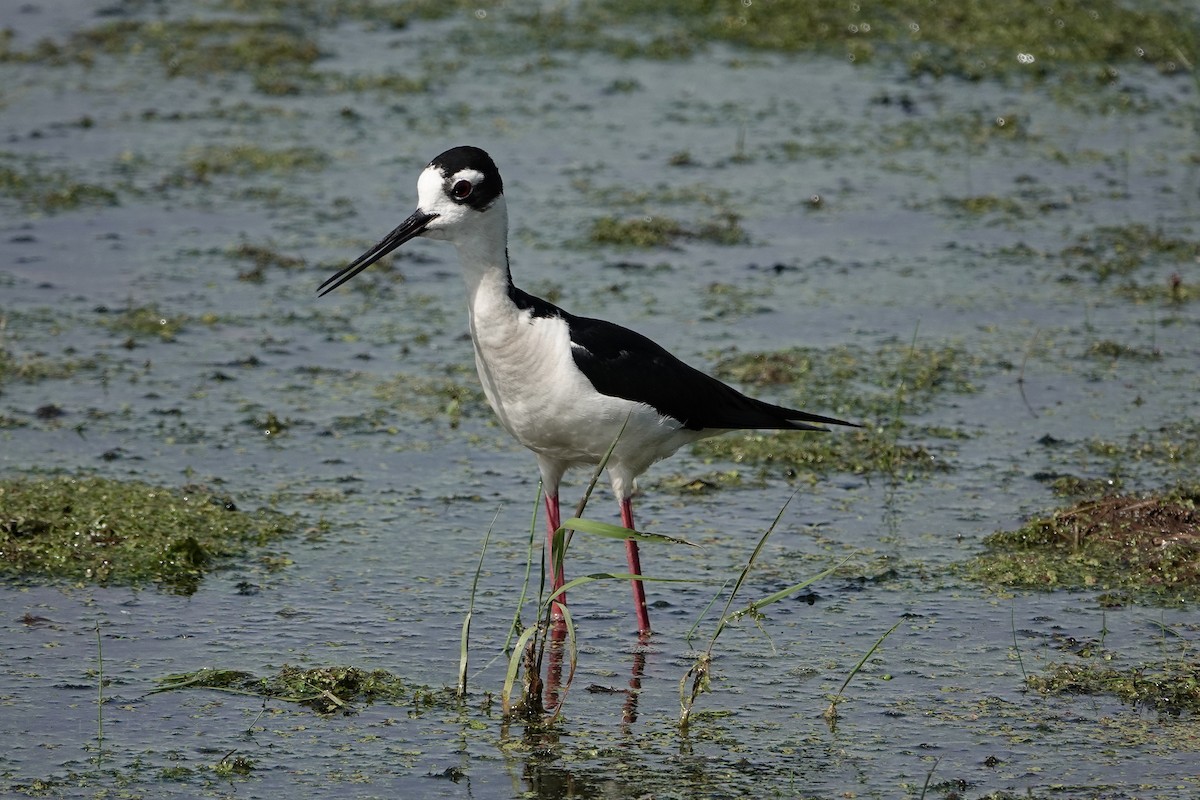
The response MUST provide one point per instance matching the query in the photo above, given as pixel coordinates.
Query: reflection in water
(542, 772)
(554, 665)
(629, 712)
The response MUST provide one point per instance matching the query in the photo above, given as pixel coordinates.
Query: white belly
(542, 399)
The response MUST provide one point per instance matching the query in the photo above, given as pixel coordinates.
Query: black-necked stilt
(563, 385)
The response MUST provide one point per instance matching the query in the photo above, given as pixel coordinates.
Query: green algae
(1172, 292)
(262, 258)
(1170, 687)
(857, 452)
(1173, 447)
(1121, 250)
(106, 531)
(276, 53)
(1066, 43)
(251, 159)
(145, 321)
(860, 382)
(875, 389)
(49, 191)
(973, 40)
(199, 48)
(1108, 350)
(1127, 546)
(661, 231)
(325, 690)
(35, 367)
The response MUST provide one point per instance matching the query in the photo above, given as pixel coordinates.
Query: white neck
(483, 254)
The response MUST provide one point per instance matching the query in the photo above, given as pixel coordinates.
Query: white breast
(542, 399)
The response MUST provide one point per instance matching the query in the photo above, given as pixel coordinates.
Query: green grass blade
(746, 571)
(611, 531)
(692, 630)
(615, 576)
(831, 712)
(587, 492)
(466, 626)
(791, 590)
(514, 667)
(516, 623)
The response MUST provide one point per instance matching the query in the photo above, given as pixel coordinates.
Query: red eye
(461, 190)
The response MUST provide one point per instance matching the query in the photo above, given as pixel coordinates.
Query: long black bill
(411, 227)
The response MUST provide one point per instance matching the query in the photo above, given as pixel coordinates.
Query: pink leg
(635, 568)
(553, 522)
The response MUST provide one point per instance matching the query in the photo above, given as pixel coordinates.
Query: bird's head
(460, 199)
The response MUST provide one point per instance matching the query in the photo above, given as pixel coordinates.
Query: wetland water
(173, 196)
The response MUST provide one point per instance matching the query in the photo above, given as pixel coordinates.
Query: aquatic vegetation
(1129, 546)
(198, 48)
(982, 205)
(1171, 687)
(49, 191)
(876, 389)
(249, 159)
(262, 258)
(436, 397)
(729, 299)
(853, 380)
(101, 530)
(1109, 350)
(972, 40)
(34, 367)
(1174, 446)
(659, 231)
(326, 690)
(1174, 291)
(275, 52)
(138, 321)
(1124, 249)
(857, 452)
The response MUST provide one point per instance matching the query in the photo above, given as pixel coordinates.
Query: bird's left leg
(555, 561)
(552, 472)
(635, 568)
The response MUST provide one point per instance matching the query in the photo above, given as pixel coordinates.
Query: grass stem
(466, 626)
(99, 697)
(831, 712)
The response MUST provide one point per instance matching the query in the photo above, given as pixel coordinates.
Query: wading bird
(565, 386)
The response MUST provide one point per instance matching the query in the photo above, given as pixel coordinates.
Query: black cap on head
(457, 159)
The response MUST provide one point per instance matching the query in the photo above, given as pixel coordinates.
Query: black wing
(623, 363)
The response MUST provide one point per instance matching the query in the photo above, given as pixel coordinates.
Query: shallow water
(408, 490)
